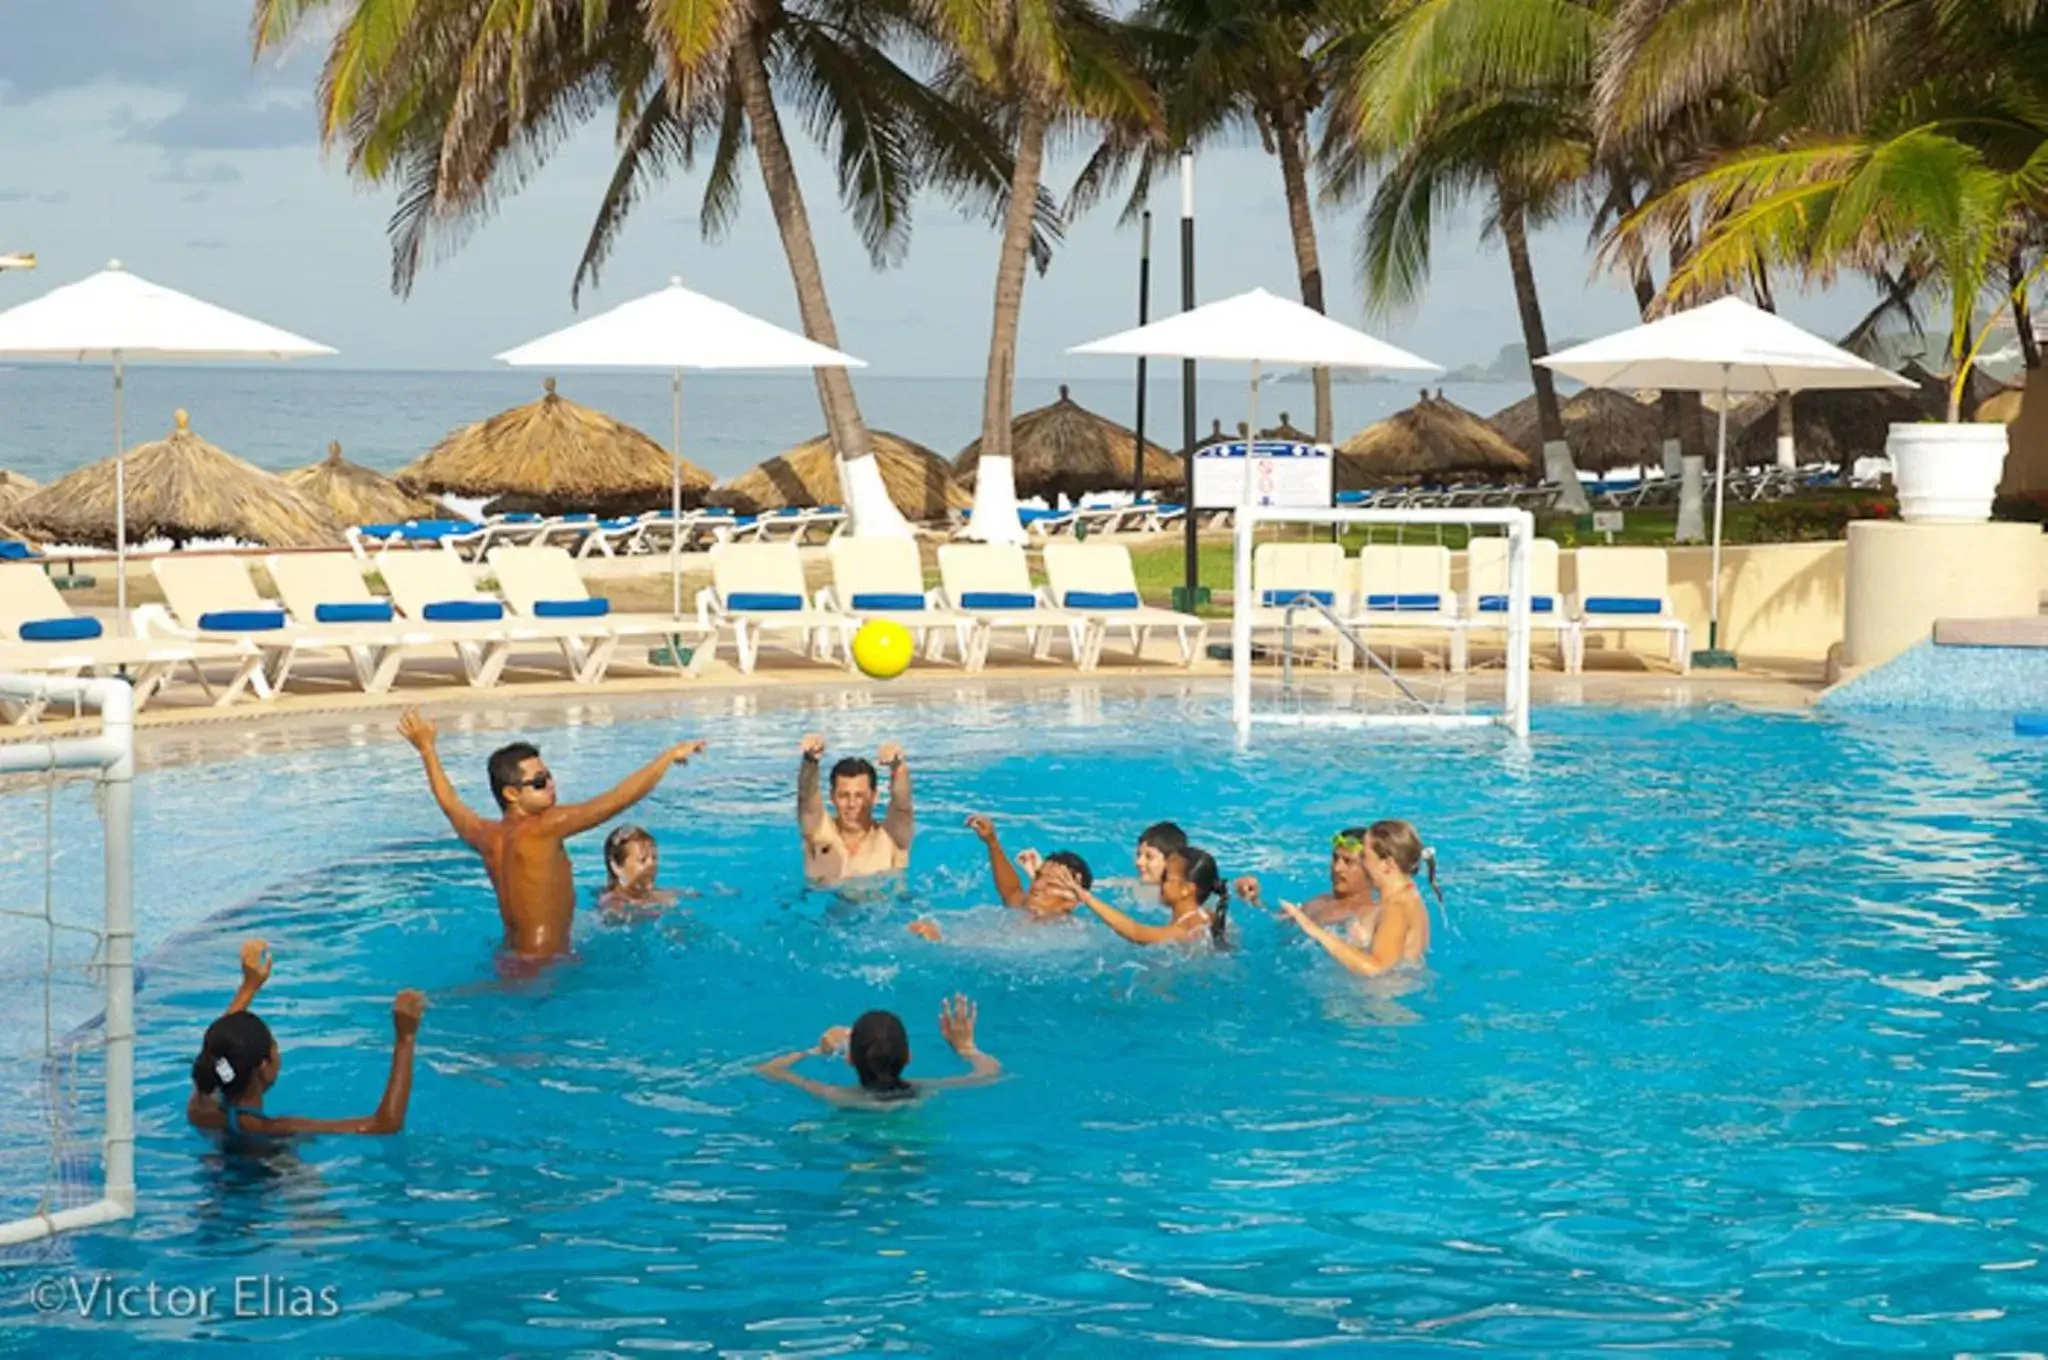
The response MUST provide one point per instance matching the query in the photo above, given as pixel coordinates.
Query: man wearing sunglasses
(523, 851)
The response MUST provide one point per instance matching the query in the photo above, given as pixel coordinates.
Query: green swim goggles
(1348, 845)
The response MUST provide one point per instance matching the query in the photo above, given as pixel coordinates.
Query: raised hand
(406, 1009)
(834, 1041)
(1247, 890)
(255, 964)
(889, 756)
(813, 746)
(1029, 862)
(956, 1023)
(1060, 878)
(414, 727)
(981, 826)
(680, 753)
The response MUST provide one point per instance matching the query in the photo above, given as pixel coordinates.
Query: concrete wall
(1902, 577)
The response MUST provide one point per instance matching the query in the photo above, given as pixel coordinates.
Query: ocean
(57, 417)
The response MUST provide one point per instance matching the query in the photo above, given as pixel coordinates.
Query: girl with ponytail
(239, 1062)
(1193, 889)
(1391, 852)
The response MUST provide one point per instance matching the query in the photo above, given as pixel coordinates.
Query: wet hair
(1074, 865)
(1401, 843)
(1198, 867)
(853, 767)
(235, 1046)
(879, 1050)
(1165, 837)
(505, 763)
(615, 848)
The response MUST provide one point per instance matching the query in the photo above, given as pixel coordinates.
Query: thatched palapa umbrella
(1065, 449)
(1606, 429)
(1842, 426)
(1432, 441)
(553, 456)
(356, 495)
(15, 487)
(918, 480)
(1285, 430)
(180, 488)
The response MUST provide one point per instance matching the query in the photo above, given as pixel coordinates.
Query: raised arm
(901, 822)
(783, 1069)
(389, 1117)
(415, 728)
(255, 972)
(810, 801)
(1366, 963)
(956, 1023)
(577, 818)
(1009, 887)
(1137, 932)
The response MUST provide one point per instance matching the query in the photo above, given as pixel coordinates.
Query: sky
(142, 130)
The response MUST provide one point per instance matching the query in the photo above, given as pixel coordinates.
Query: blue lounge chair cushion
(74, 629)
(596, 607)
(242, 620)
(380, 530)
(998, 599)
(354, 611)
(464, 611)
(722, 511)
(1102, 599)
(11, 551)
(1031, 515)
(1280, 599)
(884, 600)
(1623, 604)
(763, 601)
(1498, 604)
(1420, 602)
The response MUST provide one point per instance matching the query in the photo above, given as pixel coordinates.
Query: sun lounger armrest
(153, 620)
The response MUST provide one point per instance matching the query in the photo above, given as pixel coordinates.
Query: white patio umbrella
(117, 316)
(1259, 328)
(675, 328)
(1726, 346)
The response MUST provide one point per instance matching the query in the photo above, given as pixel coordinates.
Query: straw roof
(15, 487)
(1606, 429)
(1286, 430)
(1067, 450)
(356, 495)
(919, 480)
(1831, 427)
(1433, 440)
(552, 456)
(180, 488)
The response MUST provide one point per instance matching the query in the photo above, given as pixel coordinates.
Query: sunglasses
(537, 783)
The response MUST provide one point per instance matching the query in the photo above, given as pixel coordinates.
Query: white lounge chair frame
(1105, 568)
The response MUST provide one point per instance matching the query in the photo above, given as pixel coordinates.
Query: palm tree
(457, 104)
(1036, 65)
(1225, 69)
(1459, 97)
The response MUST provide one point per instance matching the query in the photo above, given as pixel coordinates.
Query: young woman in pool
(1349, 905)
(1399, 931)
(239, 1062)
(631, 862)
(878, 1049)
(1191, 882)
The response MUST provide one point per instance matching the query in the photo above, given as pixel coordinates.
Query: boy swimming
(1155, 843)
(239, 1061)
(631, 863)
(1349, 902)
(1057, 880)
(523, 851)
(1397, 936)
(878, 1049)
(846, 841)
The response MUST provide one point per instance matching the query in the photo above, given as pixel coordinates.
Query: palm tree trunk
(1558, 467)
(867, 500)
(995, 479)
(1292, 139)
(1692, 435)
(2022, 311)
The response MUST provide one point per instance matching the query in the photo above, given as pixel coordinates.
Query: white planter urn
(1947, 474)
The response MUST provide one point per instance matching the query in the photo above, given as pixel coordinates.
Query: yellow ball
(883, 649)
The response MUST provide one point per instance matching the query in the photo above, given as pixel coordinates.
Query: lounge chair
(211, 598)
(41, 635)
(1626, 590)
(758, 589)
(1485, 603)
(1097, 580)
(324, 588)
(1408, 587)
(543, 583)
(437, 589)
(1283, 573)
(883, 578)
(991, 584)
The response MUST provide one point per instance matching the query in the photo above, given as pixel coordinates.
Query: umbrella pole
(120, 503)
(1251, 438)
(675, 496)
(1713, 657)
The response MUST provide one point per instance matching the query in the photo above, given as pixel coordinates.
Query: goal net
(67, 944)
(1414, 618)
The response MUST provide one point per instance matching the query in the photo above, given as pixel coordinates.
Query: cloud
(247, 124)
(183, 172)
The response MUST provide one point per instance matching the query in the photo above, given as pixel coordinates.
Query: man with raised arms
(842, 838)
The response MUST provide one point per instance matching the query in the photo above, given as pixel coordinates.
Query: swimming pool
(1733, 1040)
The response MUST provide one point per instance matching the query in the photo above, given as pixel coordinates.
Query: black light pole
(1144, 310)
(1187, 372)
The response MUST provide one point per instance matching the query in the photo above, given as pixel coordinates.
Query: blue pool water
(1733, 1041)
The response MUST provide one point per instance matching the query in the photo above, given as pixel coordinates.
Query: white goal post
(111, 755)
(1520, 531)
